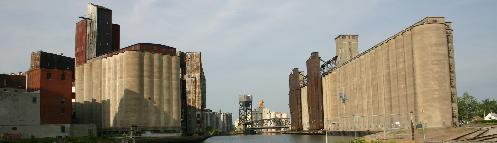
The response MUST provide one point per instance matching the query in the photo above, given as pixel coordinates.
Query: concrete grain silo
(137, 85)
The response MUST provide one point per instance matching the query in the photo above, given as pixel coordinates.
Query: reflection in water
(280, 138)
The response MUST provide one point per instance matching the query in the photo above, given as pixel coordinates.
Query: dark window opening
(14, 128)
(62, 101)
(34, 100)
(63, 76)
(63, 129)
(49, 75)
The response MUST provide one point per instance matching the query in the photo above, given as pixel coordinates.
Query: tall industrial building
(314, 92)
(52, 75)
(194, 91)
(137, 85)
(118, 88)
(96, 35)
(346, 47)
(295, 99)
(409, 74)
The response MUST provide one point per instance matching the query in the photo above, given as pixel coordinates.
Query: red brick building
(52, 76)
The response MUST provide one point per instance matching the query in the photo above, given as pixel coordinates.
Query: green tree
(488, 106)
(468, 107)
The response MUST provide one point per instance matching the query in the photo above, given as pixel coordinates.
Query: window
(49, 75)
(63, 129)
(63, 76)
(34, 100)
(62, 100)
(14, 128)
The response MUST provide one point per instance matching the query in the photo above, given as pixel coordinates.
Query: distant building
(218, 120)
(263, 118)
(17, 81)
(52, 76)
(491, 116)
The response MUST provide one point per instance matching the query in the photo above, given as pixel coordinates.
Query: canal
(278, 138)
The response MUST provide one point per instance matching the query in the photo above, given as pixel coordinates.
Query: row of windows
(62, 76)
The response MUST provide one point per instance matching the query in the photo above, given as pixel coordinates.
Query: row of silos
(409, 75)
(378, 89)
(128, 88)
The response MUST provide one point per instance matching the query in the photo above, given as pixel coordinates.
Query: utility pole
(412, 127)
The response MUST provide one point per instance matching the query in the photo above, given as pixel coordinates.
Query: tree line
(471, 108)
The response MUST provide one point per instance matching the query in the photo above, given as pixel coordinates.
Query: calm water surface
(279, 138)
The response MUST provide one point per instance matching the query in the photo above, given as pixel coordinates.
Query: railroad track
(483, 134)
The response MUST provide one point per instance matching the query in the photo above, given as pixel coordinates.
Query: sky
(250, 46)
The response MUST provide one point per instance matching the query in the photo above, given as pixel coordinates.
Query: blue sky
(250, 46)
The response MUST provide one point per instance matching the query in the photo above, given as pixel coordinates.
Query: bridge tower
(245, 112)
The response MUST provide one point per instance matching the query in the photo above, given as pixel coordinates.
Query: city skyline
(249, 47)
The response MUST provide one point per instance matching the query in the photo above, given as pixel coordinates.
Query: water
(279, 138)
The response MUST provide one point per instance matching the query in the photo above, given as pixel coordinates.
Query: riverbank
(471, 133)
(93, 139)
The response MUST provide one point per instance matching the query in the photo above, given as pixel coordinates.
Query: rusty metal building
(314, 92)
(80, 49)
(96, 35)
(294, 100)
(99, 31)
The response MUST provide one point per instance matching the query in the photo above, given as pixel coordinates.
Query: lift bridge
(255, 126)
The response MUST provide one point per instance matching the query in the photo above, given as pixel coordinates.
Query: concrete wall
(129, 88)
(305, 109)
(407, 72)
(18, 107)
(346, 47)
(37, 131)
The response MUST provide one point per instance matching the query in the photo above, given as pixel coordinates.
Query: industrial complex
(407, 79)
(145, 88)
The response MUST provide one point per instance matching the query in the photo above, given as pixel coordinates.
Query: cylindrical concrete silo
(87, 98)
(167, 109)
(305, 109)
(176, 91)
(147, 108)
(79, 85)
(431, 60)
(157, 78)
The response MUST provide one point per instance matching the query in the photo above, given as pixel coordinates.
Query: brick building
(52, 75)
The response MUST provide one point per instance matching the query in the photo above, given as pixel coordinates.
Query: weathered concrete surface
(194, 94)
(305, 109)
(18, 107)
(130, 88)
(412, 71)
(346, 47)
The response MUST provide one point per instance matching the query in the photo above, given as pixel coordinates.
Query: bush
(486, 122)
